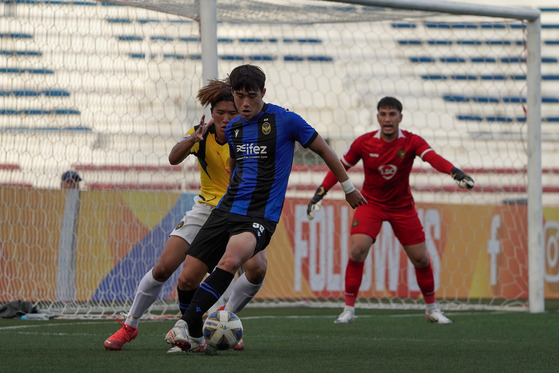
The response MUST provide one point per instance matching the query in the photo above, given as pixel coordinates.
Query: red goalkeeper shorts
(405, 223)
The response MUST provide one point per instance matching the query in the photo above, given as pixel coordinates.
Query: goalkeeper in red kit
(388, 156)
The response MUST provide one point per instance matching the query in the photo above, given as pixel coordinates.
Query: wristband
(347, 186)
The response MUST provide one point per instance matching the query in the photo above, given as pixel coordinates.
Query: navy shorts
(210, 242)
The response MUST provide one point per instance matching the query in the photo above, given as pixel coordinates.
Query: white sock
(430, 307)
(146, 293)
(243, 292)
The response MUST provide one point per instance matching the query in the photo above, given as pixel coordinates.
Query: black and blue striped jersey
(263, 150)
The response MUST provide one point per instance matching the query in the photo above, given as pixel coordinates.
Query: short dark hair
(391, 103)
(247, 77)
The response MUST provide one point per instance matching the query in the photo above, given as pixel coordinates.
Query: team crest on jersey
(180, 225)
(401, 153)
(266, 128)
(355, 223)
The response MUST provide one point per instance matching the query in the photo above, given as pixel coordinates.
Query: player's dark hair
(248, 78)
(390, 103)
(216, 91)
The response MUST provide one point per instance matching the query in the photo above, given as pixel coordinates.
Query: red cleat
(125, 334)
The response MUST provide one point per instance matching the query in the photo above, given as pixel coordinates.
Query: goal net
(106, 89)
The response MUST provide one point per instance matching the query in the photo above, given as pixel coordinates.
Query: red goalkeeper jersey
(388, 165)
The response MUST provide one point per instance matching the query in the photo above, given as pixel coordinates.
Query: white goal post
(106, 88)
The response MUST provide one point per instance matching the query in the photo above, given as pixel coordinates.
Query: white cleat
(178, 337)
(347, 316)
(175, 350)
(436, 316)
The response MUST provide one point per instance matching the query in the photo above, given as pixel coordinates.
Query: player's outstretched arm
(352, 195)
(462, 179)
(442, 165)
(181, 150)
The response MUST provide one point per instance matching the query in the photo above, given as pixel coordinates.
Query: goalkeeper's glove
(462, 179)
(316, 201)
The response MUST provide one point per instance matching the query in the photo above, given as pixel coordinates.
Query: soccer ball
(222, 330)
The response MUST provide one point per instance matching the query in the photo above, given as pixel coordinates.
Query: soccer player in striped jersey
(388, 155)
(207, 142)
(261, 143)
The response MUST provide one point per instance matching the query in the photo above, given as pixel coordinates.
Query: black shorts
(210, 242)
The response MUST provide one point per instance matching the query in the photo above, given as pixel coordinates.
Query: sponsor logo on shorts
(180, 225)
(355, 223)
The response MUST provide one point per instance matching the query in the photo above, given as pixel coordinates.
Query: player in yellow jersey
(207, 142)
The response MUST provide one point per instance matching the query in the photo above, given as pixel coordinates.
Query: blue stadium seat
(118, 20)
(230, 57)
(493, 77)
(251, 40)
(46, 129)
(160, 38)
(129, 38)
(439, 42)
(293, 58)
(320, 58)
(422, 59)
(25, 93)
(262, 58)
(403, 25)
(463, 77)
(55, 93)
(189, 39)
(302, 41)
(455, 98)
(20, 53)
(144, 21)
(452, 59)
(84, 3)
(514, 100)
(175, 56)
(66, 112)
(451, 25)
(483, 59)
(468, 42)
(410, 42)
(40, 71)
(499, 118)
(434, 77)
(15, 35)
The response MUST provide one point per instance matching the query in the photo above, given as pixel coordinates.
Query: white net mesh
(107, 90)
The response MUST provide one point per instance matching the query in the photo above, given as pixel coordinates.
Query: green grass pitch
(299, 340)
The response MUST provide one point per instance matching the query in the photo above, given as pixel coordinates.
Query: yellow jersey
(213, 159)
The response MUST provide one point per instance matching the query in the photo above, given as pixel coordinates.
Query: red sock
(353, 278)
(426, 282)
